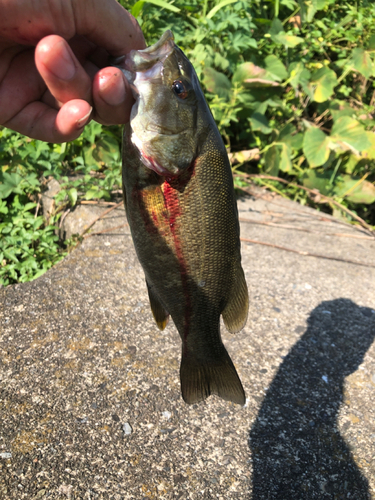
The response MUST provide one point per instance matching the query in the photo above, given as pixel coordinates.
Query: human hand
(54, 74)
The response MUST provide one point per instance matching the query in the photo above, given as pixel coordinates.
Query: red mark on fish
(173, 210)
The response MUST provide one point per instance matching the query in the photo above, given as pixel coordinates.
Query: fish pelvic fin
(200, 379)
(161, 316)
(236, 309)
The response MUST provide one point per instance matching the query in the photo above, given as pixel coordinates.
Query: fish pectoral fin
(199, 379)
(235, 312)
(161, 316)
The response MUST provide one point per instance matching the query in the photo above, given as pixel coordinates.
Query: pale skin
(54, 65)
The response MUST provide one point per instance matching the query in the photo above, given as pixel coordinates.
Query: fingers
(71, 120)
(20, 82)
(40, 121)
(112, 97)
(66, 79)
(63, 74)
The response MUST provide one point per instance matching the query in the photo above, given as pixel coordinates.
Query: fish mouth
(147, 63)
(143, 60)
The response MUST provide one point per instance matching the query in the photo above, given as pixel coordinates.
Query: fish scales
(183, 218)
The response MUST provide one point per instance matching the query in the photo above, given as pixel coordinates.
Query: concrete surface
(90, 404)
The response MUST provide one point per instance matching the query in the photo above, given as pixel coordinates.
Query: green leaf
(370, 151)
(91, 193)
(312, 179)
(361, 62)
(278, 35)
(324, 81)
(290, 137)
(259, 123)
(3, 207)
(276, 26)
(222, 4)
(371, 42)
(272, 161)
(278, 158)
(163, 5)
(285, 158)
(137, 8)
(10, 255)
(104, 151)
(287, 40)
(339, 109)
(11, 183)
(216, 82)
(350, 132)
(289, 4)
(354, 190)
(73, 195)
(316, 146)
(276, 68)
(91, 131)
(299, 75)
(247, 71)
(311, 7)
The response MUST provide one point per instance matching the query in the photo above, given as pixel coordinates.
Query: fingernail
(62, 67)
(84, 120)
(112, 90)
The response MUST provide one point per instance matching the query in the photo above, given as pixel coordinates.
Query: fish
(181, 208)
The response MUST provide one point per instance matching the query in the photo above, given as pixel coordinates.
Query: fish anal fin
(236, 309)
(161, 316)
(200, 379)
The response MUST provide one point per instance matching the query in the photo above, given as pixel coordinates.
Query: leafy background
(291, 85)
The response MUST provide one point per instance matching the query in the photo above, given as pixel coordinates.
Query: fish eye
(179, 88)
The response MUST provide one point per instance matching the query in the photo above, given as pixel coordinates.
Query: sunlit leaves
(299, 77)
(315, 147)
(219, 6)
(275, 68)
(350, 132)
(216, 82)
(294, 86)
(310, 7)
(278, 158)
(323, 82)
(138, 6)
(278, 35)
(354, 189)
(361, 61)
(248, 72)
(73, 196)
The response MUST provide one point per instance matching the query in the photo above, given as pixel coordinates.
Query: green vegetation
(291, 86)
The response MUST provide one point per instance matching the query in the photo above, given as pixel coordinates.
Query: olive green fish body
(185, 230)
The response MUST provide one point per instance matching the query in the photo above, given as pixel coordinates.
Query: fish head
(164, 119)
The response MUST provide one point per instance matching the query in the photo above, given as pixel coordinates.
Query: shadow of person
(297, 449)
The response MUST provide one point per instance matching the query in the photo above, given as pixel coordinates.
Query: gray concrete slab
(90, 404)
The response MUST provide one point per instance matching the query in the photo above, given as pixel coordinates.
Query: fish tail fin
(199, 379)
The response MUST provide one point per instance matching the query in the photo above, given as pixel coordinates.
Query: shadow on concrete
(297, 449)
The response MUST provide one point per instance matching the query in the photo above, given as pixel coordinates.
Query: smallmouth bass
(180, 204)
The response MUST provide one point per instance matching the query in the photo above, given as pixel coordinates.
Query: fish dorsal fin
(235, 312)
(161, 316)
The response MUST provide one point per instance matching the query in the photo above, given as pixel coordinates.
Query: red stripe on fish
(173, 214)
